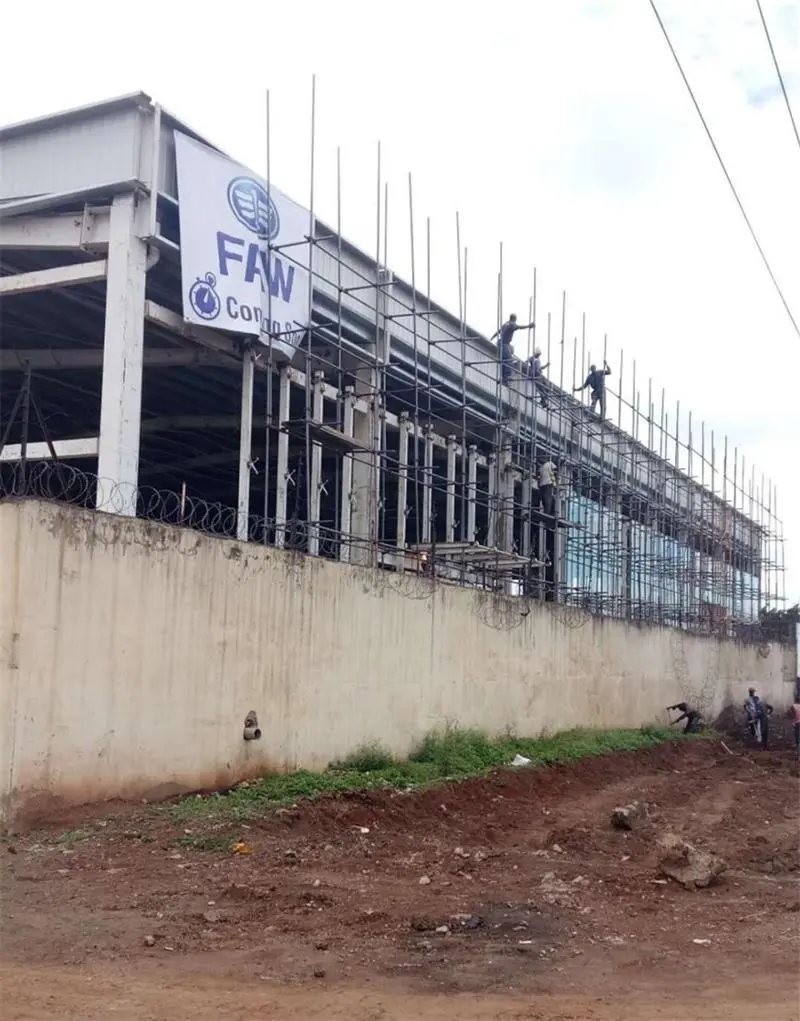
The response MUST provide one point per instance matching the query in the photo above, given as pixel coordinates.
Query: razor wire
(58, 482)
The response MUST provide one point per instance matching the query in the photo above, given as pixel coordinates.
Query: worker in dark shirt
(694, 719)
(596, 381)
(506, 332)
(758, 712)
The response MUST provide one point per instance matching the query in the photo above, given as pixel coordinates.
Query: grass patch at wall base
(447, 754)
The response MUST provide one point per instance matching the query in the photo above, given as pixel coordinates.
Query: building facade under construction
(379, 430)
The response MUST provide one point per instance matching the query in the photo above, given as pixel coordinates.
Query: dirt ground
(505, 897)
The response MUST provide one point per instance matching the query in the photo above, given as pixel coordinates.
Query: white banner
(227, 220)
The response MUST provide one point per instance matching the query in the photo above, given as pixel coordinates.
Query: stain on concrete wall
(131, 651)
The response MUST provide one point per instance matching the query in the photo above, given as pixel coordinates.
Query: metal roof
(77, 113)
(129, 101)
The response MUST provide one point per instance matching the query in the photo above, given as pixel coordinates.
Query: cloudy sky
(561, 129)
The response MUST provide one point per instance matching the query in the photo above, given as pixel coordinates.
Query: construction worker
(794, 714)
(694, 719)
(506, 332)
(537, 370)
(596, 380)
(758, 714)
(751, 704)
(547, 487)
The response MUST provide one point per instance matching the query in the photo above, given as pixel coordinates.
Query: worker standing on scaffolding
(506, 332)
(537, 370)
(596, 380)
(547, 487)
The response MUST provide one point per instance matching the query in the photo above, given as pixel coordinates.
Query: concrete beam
(58, 276)
(69, 232)
(214, 340)
(193, 463)
(53, 199)
(40, 451)
(187, 423)
(48, 360)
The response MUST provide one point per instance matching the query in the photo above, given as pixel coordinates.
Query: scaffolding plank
(475, 554)
(329, 437)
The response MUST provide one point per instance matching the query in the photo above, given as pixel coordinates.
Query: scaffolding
(391, 440)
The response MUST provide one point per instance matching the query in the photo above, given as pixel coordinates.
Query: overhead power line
(778, 72)
(732, 186)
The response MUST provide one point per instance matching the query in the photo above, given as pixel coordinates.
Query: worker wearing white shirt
(547, 487)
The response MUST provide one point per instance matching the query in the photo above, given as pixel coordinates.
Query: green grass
(366, 759)
(447, 754)
(72, 837)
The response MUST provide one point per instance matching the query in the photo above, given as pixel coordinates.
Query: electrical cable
(778, 72)
(725, 169)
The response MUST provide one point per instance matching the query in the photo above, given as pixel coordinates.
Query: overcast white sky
(561, 128)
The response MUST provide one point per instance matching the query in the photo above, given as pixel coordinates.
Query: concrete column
(559, 551)
(451, 489)
(245, 448)
(682, 582)
(526, 515)
(282, 471)
(123, 352)
(505, 478)
(559, 542)
(427, 483)
(472, 491)
(491, 531)
(402, 481)
(364, 489)
(625, 527)
(542, 554)
(346, 497)
(315, 476)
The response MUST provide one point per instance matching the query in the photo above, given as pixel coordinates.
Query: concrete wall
(130, 653)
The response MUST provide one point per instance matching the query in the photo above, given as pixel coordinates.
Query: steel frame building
(390, 440)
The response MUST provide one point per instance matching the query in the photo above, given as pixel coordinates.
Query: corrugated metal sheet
(69, 155)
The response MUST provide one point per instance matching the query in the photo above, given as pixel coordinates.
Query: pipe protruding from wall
(252, 731)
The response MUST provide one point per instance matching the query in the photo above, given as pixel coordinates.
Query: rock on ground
(627, 816)
(692, 868)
